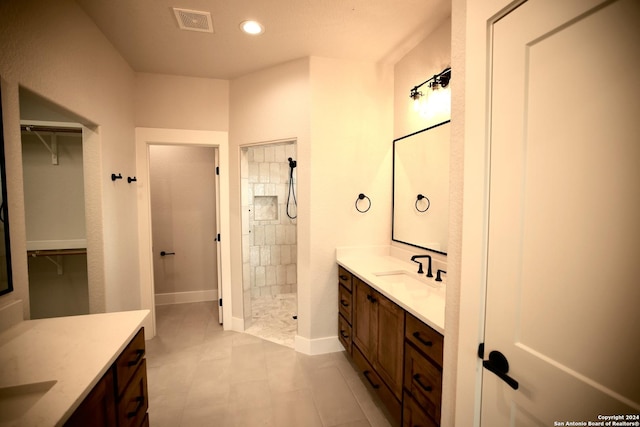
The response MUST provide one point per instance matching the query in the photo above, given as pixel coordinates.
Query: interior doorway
(182, 181)
(269, 240)
(145, 138)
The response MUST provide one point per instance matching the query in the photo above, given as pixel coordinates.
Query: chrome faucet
(420, 271)
(438, 278)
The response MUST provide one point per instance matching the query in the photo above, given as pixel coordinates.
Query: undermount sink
(15, 401)
(403, 277)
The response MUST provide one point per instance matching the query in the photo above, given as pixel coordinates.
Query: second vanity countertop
(424, 298)
(72, 353)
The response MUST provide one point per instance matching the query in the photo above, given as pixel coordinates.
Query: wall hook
(131, 179)
(421, 197)
(362, 196)
(114, 176)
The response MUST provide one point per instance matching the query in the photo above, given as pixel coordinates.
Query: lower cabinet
(120, 398)
(397, 354)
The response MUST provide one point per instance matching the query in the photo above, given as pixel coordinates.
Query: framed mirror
(6, 283)
(420, 215)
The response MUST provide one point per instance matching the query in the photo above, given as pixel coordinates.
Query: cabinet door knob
(366, 375)
(416, 378)
(417, 336)
(140, 400)
(139, 354)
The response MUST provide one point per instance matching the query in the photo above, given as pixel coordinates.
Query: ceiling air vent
(194, 20)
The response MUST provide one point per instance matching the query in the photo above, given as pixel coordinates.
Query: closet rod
(35, 128)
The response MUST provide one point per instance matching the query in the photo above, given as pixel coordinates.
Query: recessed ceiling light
(252, 27)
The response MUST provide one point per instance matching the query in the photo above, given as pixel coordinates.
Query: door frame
(472, 23)
(157, 136)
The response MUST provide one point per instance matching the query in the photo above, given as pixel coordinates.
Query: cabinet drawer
(423, 380)
(413, 415)
(129, 360)
(133, 405)
(344, 333)
(424, 338)
(344, 277)
(345, 303)
(381, 389)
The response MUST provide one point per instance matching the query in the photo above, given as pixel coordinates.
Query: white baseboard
(185, 297)
(318, 345)
(237, 324)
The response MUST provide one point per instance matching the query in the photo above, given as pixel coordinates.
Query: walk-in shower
(269, 240)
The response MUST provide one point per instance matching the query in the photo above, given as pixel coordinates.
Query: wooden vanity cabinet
(399, 355)
(120, 398)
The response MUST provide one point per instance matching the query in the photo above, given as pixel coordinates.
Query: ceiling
(147, 35)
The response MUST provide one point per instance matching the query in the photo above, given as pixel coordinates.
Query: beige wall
(182, 187)
(351, 152)
(340, 114)
(176, 102)
(55, 50)
(270, 105)
(429, 57)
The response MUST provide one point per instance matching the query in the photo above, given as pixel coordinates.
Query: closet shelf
(53, 252)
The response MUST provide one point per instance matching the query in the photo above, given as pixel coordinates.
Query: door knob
(163, 253)
(499, 365)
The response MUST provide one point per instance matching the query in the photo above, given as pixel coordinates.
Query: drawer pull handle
(366, 375)
(417, 336)
(343, 277)
(140, 400)
(139, 354)
(344, 303)
(371, 298)
(344, 334)
(417, 377)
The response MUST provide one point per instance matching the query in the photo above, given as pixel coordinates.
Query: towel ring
(420, 197)
(361, 196)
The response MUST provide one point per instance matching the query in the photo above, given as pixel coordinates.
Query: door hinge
(218, 237)
(481, 350)
(220, 302)
(217, 170)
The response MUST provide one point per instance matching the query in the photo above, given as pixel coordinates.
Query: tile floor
(272, 318)
(201, 375)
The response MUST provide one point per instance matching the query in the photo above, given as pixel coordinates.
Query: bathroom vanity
(72, 371)
(391, 322)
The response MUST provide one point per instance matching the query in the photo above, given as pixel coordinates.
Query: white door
(563, 276)
(182, 188)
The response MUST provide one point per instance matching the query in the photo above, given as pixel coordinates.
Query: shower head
(292, 163)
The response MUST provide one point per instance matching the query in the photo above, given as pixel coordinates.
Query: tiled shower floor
(272, 318)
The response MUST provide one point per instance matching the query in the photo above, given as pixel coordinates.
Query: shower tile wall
(269, 243)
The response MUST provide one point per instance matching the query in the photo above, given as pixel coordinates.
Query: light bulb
(252, 27)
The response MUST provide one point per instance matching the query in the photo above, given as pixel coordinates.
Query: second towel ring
(420, 197)
(361, 196)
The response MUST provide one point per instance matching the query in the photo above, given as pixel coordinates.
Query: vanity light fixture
(416, 95)
(438, 81)
(252, 27)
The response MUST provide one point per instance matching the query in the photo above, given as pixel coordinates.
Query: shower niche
(269, 240)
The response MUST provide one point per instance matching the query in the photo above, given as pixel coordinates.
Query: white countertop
(425, 300)
(74, 351)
